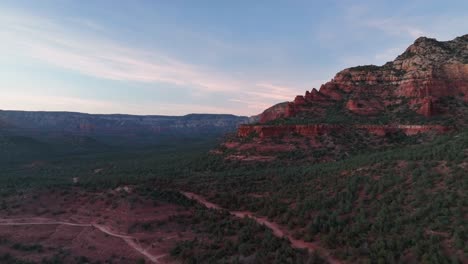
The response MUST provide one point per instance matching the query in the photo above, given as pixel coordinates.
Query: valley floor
(81, 226)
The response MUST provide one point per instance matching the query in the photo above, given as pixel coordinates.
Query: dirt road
(278, 230)
(131, 241)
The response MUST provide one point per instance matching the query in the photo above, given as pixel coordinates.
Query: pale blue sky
(179, 57)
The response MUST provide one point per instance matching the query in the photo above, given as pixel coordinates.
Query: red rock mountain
(424, 91)
(417, 79)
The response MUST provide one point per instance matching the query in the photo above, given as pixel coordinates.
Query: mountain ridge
(425, 72)
(75, 122)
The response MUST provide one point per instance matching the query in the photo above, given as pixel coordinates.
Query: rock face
(266, 131)
(277, 111)
(417, 79)
(423, 92)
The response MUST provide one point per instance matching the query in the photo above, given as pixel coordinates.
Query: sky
(179, 57)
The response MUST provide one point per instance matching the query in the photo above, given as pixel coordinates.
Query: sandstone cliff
(265, 131)
(422, 93)
(418, 81)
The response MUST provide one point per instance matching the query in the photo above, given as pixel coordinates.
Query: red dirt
(131, 241)
(99, 226)
(201, 200)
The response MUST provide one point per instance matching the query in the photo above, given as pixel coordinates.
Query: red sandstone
(264, 131)
(426, 71)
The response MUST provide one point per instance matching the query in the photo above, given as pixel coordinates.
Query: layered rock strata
(265, 131)
(427, 71)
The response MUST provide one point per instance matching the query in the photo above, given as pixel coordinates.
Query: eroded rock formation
(427, 71)
(265, 131)
(423, 92)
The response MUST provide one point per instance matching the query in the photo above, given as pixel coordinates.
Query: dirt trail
(37, 221)
(278, 230)
(201, 200)
(133, 244)
(131, 241)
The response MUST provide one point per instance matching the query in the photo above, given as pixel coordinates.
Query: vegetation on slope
(402, 204)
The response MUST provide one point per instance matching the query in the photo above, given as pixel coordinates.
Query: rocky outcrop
(280, 110)
(427, 71)
(267, 131)
(417, 129)
(365, 108)
(263, 131)
(427, 107)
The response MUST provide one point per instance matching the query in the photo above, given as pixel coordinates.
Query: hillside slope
(407, 204)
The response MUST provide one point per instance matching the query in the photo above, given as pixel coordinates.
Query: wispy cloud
(267, 94)
(389, 54)
(35, 102)
(88, 53)
(255, 106)
(276, 92)
(394, 26)
(97, 57)
(21, 101)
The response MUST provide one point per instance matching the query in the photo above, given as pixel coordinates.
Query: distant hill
(32, 135)
(89, 124)
(116, 128)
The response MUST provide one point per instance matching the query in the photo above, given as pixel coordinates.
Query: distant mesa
(99, 124)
